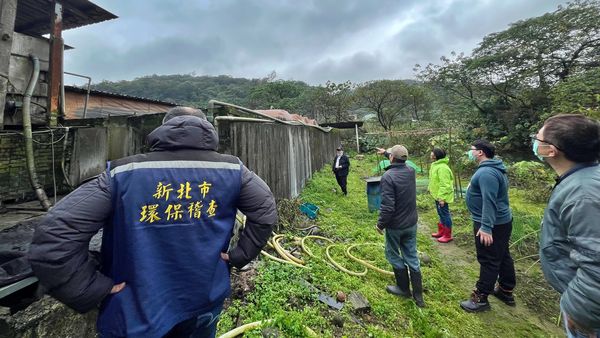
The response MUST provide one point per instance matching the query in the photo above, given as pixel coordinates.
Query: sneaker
(477, 303)
(505, 296)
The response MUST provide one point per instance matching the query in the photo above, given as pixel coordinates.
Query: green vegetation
(281, 292)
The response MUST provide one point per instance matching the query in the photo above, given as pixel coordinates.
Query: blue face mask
(536, 145)
(471, 155)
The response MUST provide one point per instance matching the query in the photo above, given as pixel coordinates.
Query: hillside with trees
(501, 91)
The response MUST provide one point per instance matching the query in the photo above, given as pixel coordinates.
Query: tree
(277, 94)
(389, 99)
(509, 77)
(578, 94)
(329, 103)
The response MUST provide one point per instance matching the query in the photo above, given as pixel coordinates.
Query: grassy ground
(281, 292)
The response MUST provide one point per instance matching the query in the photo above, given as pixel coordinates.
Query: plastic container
(309, 210)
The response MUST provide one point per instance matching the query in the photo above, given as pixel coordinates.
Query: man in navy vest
(167, 218)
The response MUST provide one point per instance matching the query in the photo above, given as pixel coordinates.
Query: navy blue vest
(173, 216)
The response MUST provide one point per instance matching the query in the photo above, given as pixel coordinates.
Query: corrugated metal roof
(34, 16)
(123, 96)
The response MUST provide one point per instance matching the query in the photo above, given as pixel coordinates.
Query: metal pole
(87, 95)
(357, 143)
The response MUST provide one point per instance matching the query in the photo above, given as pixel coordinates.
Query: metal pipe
(62, 161)
(62, 88)
(37, 187)
(87, 96)
(357, 143)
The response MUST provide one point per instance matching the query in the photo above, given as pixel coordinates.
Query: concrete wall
(20, 68)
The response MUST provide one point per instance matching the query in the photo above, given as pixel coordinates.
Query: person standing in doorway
(487, 201)
(341, 168)
(570, 236)
(441, 188)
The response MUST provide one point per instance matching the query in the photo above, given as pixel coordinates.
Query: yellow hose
(247, 327)
(281, 260)
(251, 326)
(341, 267)
(306, 249)
(282, 252)
(365, 263)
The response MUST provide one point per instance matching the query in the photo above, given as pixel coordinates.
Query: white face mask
(339, 153)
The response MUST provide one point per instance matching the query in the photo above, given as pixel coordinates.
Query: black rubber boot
(416, 279)
(401, 288)
(477, 303)
(505, 296)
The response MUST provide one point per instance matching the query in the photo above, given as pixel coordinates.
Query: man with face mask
(487, 201)
(341, 167)
(570, 237)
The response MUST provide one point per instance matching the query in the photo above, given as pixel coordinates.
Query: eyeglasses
(534, 138)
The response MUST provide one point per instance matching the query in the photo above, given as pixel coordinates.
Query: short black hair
(576, 135)
(484, 145)
(439, 153)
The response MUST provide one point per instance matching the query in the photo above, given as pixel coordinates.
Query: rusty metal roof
(34, 16)
(76, 89)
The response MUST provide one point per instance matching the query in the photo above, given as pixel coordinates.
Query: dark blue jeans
(203, 326)
(575, 332)
(402, 241)
(444, 214)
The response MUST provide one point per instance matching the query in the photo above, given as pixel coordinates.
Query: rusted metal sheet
(101, 105)
(56, 64)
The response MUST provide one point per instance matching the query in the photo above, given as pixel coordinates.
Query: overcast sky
(312, 41)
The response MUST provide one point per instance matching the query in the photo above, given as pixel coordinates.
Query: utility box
(373, 193)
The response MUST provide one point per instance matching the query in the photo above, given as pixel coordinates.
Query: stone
(424, 258)
(340, 296)
(358, 302)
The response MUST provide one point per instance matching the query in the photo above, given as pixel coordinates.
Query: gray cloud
(313, 41)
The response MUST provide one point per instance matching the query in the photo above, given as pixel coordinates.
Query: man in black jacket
(341, 167)
(167, 218)
(398, 218)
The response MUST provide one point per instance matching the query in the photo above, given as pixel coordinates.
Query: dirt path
(463, 262)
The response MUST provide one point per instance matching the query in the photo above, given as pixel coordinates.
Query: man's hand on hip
(117, 288)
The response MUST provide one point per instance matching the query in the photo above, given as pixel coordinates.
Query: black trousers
(495, 260)
(342, 181)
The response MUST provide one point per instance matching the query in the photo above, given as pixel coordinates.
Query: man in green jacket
(441, 187)
(570, 239)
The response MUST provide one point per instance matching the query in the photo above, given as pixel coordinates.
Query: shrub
(534, 177)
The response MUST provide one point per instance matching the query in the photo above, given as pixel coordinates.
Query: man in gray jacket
(398, 217)
(570, 240)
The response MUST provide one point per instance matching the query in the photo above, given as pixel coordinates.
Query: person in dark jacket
(487, 201)
(341, 168)
(167, 218)
(570, 236)
(398, 218)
